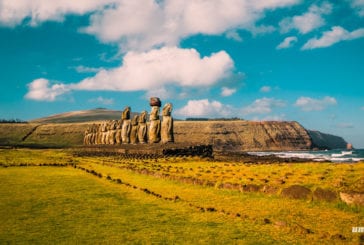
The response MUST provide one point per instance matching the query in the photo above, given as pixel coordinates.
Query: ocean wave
(319, 156)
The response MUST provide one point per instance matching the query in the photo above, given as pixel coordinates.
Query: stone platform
(147, 150)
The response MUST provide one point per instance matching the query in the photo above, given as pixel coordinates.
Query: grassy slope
(45, 204)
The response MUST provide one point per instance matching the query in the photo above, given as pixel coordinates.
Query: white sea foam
(327, 155)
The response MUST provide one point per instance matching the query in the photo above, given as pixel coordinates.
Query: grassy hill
(81, 116)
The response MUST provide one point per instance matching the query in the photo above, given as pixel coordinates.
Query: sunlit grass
(47, 204)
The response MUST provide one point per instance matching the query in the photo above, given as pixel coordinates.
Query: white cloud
(310, 104)
(280, 117)
(102, 100)
(14, 12)
(85, 69)
(234, 35)
(265, 89)
(204, 108)
(146, 24)
(149, 71)
(156, 68)
(263, 106)
(307, 22)
(358, 5)
(40, 89)
(335, 35)
(225, 91)
(167, 22)
(287, 42)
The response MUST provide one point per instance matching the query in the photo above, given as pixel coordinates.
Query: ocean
(354, 155)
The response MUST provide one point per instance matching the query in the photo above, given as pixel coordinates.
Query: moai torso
(134, 130)
(126, 127)
(142, 128)
(103, 133)
(112, 132)
(154, 125)
(118, 132)
(167, 124)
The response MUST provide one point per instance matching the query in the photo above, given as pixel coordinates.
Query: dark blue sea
(354, 155)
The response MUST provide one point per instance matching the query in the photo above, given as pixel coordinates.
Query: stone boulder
(327, 195)
(297, 192)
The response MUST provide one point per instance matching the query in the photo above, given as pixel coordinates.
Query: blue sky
(289, 60)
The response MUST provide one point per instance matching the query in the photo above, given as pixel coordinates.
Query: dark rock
(297, 192)
(324, 195)
(251, 188)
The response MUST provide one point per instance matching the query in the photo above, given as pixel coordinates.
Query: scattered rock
(352, 198)
(338, 237)
(297, 192)
(280, 224)
(324, 195)
(267, 221)
(251, 188)
(270, 189)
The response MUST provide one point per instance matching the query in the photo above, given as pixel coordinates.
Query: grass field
(53, 196)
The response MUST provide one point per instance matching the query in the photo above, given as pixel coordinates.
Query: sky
(290, 60)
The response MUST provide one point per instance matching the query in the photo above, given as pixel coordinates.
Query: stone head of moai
(155, 103)
(135, 120)
(142, 117)
(126, 113)
(167, 109)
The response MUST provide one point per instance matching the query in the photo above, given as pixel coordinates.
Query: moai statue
(103, 132)
(98, 134)
(126, 127)
(118, 132)
(167, 124)
(112, 132)
(134, 130)
(142, 128)
(86, 137)
(155, 122)
(93, 134)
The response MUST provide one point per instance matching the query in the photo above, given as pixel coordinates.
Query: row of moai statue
(135, 130)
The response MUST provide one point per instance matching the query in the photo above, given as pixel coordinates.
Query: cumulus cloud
(204, 108)
(287, 42)
(280, 117)
(263, 106)
(234, 35)
(160, 67)
(41, 89)
(335, 35)
(143, 71)
(307, 22)
(85, 69)
(102, 100)
(311, 104)
(225, 91)
(265, 89)
(13, 13)
(358, 5)
(161, 23)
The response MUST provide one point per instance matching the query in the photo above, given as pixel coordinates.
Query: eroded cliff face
(326, 141)
(244, 135)
(223, 135)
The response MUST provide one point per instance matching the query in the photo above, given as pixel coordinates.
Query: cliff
(326, 141)
(223, 135)
(244, 135)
